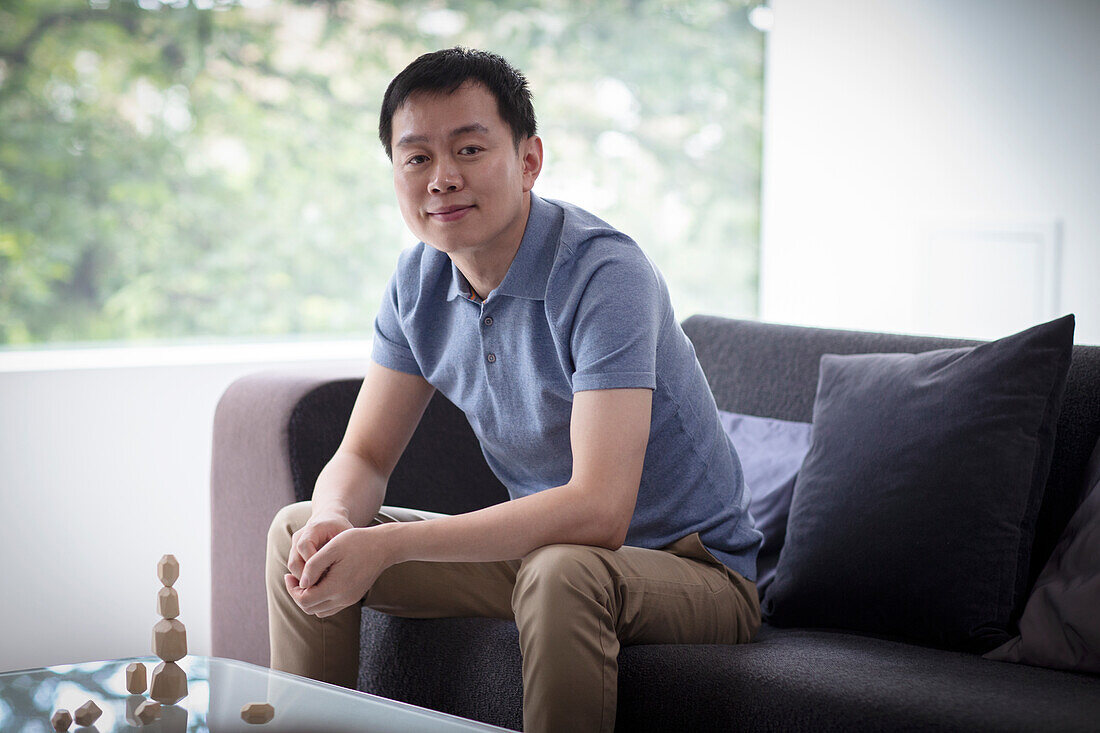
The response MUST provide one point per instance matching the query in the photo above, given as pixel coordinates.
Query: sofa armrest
(250, 480)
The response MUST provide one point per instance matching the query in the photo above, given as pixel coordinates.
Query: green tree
(211, 168)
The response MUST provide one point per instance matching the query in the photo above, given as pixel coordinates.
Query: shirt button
(491, 358)
(488, 320)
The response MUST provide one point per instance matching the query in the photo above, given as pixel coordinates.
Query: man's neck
(481, 286)
(485, 270)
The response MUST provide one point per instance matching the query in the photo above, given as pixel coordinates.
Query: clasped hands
(333, 564)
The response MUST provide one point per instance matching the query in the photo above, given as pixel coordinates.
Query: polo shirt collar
(530, 269)
(455, 289)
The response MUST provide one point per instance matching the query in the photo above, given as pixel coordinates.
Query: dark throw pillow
(771, 452)
(914, 511)
(1060, 627)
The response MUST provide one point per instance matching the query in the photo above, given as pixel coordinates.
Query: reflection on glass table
(217, 689)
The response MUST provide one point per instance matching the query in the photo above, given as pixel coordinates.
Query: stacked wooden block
(169, 683)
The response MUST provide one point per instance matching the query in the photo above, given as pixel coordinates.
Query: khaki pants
(574, 606)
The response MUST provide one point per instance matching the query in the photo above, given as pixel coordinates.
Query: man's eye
(416, 160)
(469, 150)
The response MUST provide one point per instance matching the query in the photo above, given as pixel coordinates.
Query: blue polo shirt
(580, 308)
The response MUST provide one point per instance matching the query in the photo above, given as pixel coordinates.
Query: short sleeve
(391, 347)
(618, 318)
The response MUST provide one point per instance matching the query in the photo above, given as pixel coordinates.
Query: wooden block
(87, 714)
(257, 712)
(168, 602)
(170, 640)
(169, 683)
(148, 711)
(168, 569)
(135, 678)
(61, 720)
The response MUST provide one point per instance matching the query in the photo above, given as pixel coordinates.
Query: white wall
(927, 163)
(103, 469)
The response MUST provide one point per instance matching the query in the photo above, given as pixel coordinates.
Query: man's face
(460, 182)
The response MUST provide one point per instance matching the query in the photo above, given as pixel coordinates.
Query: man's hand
(340, 573)
(316, 533)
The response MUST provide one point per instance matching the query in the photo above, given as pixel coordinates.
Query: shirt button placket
(486, 322)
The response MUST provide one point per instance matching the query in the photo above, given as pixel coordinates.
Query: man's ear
(530, 155)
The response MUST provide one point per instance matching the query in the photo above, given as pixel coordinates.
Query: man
(553, 332)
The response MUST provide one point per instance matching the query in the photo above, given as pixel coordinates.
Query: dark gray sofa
(274, 432)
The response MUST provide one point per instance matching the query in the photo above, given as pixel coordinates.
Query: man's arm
(609, 433)
(351, 487)
(386, 413)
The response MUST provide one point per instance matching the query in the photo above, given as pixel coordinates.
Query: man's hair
(445, 71)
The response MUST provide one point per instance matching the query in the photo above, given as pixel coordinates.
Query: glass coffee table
(217, 689)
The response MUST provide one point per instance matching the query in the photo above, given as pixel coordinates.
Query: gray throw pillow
(1060, 627)
(914, 511)
(771, 452)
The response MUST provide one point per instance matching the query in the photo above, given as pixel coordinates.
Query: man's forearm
(350, 486)
(507, 531)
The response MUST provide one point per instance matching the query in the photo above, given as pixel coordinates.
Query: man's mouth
(450, 213)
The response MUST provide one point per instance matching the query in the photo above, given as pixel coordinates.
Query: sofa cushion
(771, 452)
(788, 679)
(771, 369)
(914, 511)
(815, 680)
(1060, 627)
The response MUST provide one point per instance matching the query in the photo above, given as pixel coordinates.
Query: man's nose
(445, 178)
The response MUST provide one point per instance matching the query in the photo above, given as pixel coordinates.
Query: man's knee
(559, 575)
(287, 521)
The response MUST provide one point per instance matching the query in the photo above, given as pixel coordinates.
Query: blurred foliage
(211, 168)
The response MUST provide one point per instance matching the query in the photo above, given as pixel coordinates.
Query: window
(212, 169)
